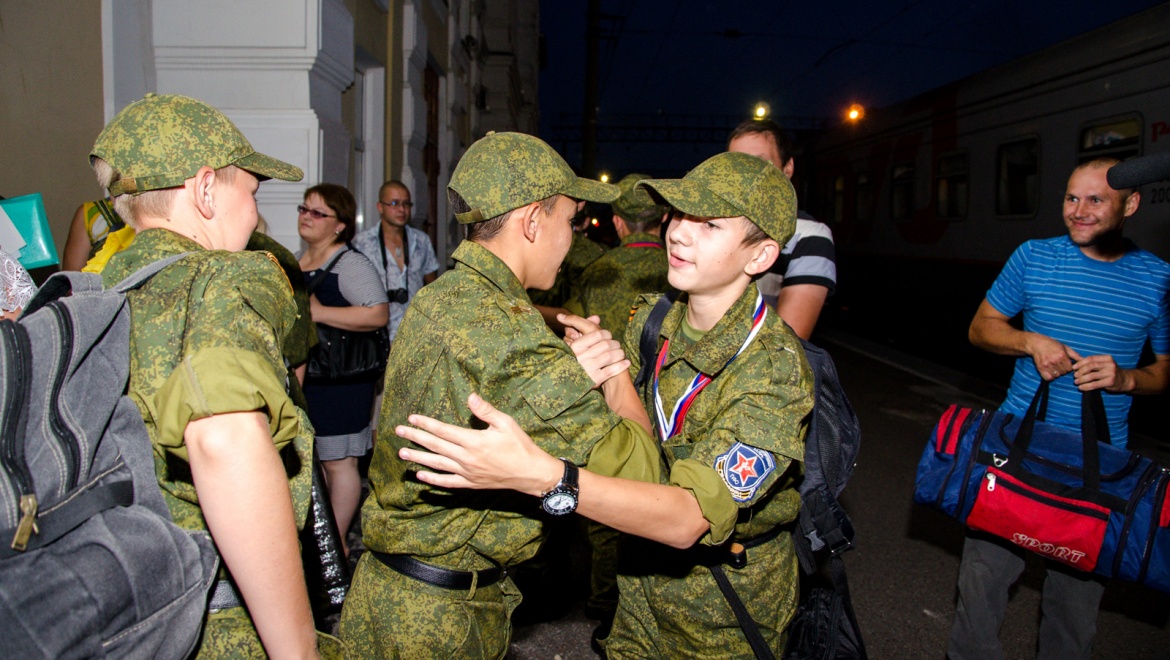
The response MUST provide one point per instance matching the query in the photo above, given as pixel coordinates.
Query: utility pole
(592, 59)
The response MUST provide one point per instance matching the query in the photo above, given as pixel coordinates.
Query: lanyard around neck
(668, 427)
(405, 250)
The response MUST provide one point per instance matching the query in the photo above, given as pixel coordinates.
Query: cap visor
(592, 191)
(692, 198)
(270, 168)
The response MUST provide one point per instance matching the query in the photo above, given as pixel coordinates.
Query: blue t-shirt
(1094, 307)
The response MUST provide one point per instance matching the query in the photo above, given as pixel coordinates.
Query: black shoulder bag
(345, 354)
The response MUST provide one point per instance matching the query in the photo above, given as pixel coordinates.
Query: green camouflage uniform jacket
(205, 338)
(610, 284)
(474, 330)
(582, 252)
(220, 316)
(738, 453)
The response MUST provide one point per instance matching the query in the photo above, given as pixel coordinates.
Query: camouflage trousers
(603, 587)
(230, 635)
(678, 611)
(390, 615)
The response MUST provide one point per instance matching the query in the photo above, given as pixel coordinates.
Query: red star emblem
(744, 467)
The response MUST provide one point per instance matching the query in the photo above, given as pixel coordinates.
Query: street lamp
(761, 111)
(855, 113)
(605, 177)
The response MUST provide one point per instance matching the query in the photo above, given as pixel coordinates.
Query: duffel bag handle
(1094, 429)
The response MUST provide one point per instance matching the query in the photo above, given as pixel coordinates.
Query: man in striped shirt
(805, 273)
(1089, 301)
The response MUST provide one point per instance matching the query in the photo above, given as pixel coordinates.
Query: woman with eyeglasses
(345, 294)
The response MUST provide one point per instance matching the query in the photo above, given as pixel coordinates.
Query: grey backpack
(90, 563)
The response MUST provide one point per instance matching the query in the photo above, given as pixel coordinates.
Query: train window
(838, 200)
(951, 186)
(1116, 138)
(864, 200)
(1018, 178)
(902, 192)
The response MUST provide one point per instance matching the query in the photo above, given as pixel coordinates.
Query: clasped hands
(1054, 359)
(597, 351)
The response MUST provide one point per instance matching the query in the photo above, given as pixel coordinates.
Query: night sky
(709, 62)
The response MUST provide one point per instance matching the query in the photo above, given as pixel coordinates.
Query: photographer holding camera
(402, 255)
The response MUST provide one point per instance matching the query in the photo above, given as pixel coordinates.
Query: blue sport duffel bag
(1063, 494)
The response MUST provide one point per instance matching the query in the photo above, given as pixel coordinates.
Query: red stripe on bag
(940, 431)
(1067, 530)
(1164, 520)
(957, 430)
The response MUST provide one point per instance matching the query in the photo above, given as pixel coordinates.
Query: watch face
(560, 503)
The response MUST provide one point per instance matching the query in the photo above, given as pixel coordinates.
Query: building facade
(354, 92)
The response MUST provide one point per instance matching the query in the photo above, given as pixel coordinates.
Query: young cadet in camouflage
(431, 584)
(206, 365)
(730, 460)
(609, 284)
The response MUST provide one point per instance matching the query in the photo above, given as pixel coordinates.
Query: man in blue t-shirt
(1089, 300)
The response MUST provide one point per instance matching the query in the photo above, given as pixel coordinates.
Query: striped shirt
(808, 258)
(1094, 307)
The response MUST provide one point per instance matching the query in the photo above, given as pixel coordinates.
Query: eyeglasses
(394, 203)
(312, 213)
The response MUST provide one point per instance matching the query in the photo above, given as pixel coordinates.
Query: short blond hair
(153, 203)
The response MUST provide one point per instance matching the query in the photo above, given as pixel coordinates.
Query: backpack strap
(143, 275)
(648, 342)
(64, 518)
(751, 630)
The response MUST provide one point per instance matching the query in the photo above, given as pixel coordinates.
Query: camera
(397, 296)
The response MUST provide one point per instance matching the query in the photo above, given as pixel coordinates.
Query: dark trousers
(989, 568)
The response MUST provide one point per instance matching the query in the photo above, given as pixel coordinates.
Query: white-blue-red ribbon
(669, 427)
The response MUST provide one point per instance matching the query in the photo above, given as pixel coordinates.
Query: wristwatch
(562, 498)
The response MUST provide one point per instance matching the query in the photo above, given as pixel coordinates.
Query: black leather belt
(762, 538)
(441, 577)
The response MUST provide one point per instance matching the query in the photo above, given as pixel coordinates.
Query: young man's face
(1092, 210)
(394, 206)
(554, 240)
(706, 255)
(760, 145)
(238, 205)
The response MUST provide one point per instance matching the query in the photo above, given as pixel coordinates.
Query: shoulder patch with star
(743, 469)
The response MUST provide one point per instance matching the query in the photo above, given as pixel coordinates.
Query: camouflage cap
(163, 140)
(729, 185)
(635, 204)
(504, 171)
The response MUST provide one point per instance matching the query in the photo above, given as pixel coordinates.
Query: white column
(277, 69)
(414, 107)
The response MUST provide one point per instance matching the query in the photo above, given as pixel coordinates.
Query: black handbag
(346, 354)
